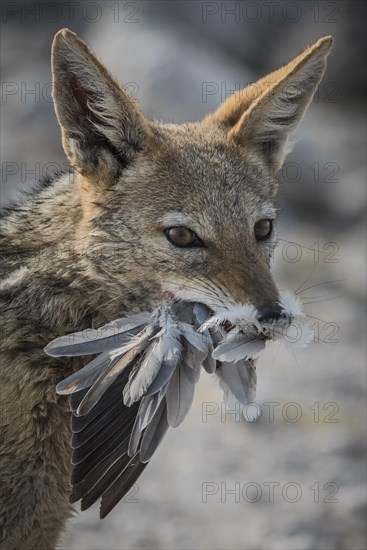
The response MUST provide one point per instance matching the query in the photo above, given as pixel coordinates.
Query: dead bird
(143, 382)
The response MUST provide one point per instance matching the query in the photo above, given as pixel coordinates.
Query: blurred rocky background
(296, 478)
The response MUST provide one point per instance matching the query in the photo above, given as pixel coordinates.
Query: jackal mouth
(262, 330)
(228, 326)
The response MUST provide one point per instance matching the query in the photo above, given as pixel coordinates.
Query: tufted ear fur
(102, 127)
(263, 114)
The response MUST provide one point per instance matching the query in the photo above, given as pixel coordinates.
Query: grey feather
(171, 353)
(210, 363)
(85, 377)
(121, 486)
(108, 376)
(105, 338)
(154, 433)
(239, 346)
(179, 396)
(192, 374)
(134, 437)
(148, 408)
(191, 362)
(195, 338)
(134, 372)
(98, 486)
(162, 378)
(240, 379)
(148, 370)
(163, 355)
(201, 312)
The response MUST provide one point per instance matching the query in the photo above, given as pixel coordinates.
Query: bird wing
(102, 467)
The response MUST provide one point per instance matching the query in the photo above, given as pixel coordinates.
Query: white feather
(236, 315)
(297, 333)
(291, 304)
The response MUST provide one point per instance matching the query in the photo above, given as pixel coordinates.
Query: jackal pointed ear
(102, 127)
(263, 114)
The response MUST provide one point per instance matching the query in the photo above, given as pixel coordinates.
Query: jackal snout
(270, 312)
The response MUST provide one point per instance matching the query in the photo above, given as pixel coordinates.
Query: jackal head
(186, 209)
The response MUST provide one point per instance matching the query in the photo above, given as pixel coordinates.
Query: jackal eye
(263, 229)
(182, 237)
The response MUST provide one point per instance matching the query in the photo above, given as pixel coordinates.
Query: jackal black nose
(269, 313)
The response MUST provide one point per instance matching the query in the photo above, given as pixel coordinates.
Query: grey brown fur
(89, 247)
